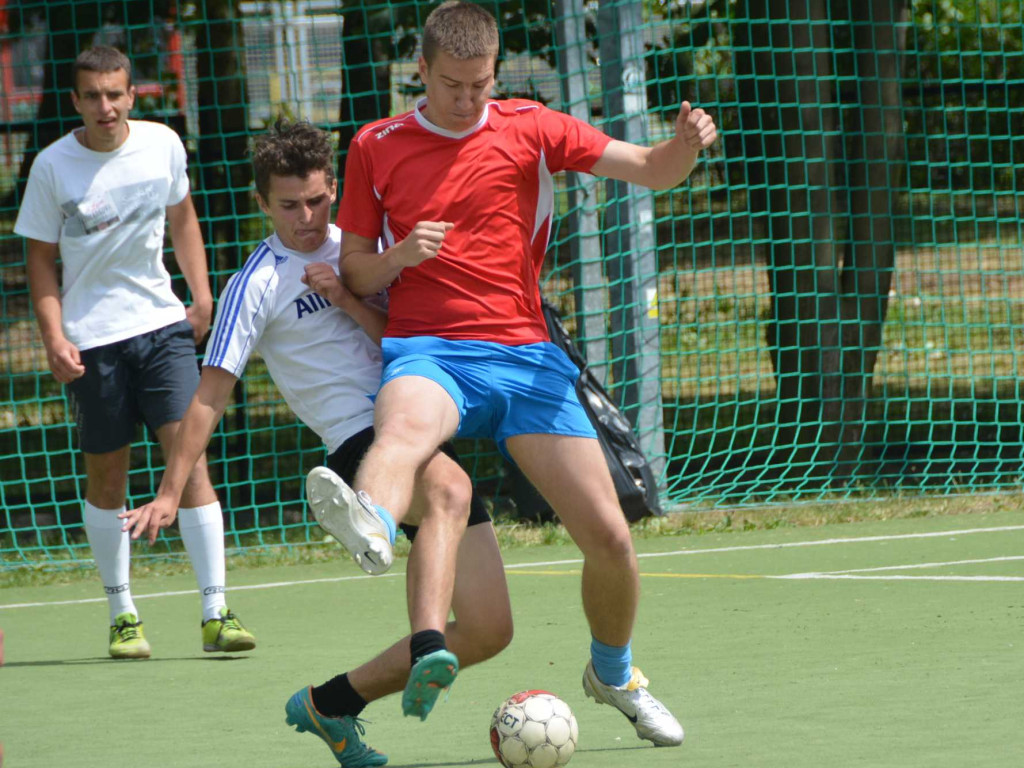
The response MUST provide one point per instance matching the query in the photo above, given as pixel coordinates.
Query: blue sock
(613, 663)
(389, 521)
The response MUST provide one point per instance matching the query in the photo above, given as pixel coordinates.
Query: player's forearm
(189, 444)
(670, 163)
(369, 272)
(371, 319)
(662, 166)
(190, 253)
(44, 290)
(196, 428)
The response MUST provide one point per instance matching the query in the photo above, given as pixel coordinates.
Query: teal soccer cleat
(430, 675)
(342, 734)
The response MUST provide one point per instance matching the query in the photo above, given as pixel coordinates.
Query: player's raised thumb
(684, 111)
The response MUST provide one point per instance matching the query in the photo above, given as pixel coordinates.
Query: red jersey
(494, 183)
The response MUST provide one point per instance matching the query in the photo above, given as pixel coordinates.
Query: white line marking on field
(894, 577)
(789, 544)
(178, 593)
(576, 561)
(947, 563)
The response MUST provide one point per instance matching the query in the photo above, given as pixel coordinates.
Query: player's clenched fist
(322, 278)
(424, 242)
(65, 361)
(695, 127)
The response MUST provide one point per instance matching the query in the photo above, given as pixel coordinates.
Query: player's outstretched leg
(352, 519)
(226, 633)
(342, 734)
(430, 675)
(126, 638)
(649, 716)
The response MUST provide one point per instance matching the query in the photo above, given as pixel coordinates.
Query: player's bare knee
(501, 636)
(198, 489)
(449, 493)
(609, 545)
(105, 496)
(106, 479)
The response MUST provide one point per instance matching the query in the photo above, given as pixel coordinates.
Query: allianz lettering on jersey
(310, 303)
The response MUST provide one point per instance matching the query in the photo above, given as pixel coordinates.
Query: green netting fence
(831, 307)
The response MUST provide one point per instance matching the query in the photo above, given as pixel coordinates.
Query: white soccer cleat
(350, 518)
(648, 715)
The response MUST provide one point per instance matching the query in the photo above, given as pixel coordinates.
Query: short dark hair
(460, 29)
(291, 149)
(101, 58)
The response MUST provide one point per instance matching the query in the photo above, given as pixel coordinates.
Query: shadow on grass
(108, 660)
(490, 760)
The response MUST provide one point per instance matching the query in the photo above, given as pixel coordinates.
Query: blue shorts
(500, 391)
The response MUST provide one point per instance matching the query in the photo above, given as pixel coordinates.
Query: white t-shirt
(106, 211)
(320, 358)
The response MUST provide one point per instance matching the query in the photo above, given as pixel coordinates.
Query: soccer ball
(533, 729)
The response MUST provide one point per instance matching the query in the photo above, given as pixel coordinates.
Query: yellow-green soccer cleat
(227, 634)
(126, 638)
(430, 675)
(341, 734)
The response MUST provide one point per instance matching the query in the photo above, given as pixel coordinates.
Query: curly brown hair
(291, 149)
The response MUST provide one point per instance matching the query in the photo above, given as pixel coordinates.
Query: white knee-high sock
(202, 530)
(111, 551)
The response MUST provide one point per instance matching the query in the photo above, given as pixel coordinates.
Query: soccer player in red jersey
(460, 193)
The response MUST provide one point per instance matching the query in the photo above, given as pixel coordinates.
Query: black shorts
(345, 461)
(148, 378)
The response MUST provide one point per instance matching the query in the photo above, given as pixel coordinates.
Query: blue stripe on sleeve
(231, 305)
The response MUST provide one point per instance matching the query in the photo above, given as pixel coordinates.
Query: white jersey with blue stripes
(321, 360)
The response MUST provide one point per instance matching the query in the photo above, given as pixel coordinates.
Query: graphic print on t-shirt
(101, 208)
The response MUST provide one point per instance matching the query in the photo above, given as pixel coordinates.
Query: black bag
(634, 481)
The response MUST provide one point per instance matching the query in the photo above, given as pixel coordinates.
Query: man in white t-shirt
(321, 347)
(114, 331)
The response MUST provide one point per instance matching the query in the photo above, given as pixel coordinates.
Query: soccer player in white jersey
(320, 344)
(115, 334)
(460, 190)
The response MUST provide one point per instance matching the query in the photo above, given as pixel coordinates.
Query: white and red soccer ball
(533, 729)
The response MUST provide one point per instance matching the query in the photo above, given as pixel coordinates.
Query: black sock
(337, 698)
(427, 641)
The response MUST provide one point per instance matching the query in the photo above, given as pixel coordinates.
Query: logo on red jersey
(386, 131)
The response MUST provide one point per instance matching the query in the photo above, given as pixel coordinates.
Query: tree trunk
(366, 95)
(829, 286)
(790, 125)
(225, 174)
(223, 200)
(874, 171)
(71, 27)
